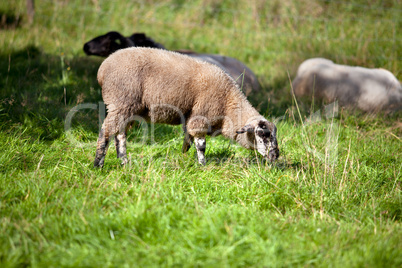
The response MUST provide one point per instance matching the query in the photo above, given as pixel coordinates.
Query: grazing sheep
(370, 90)
(167, 87)
(105, 45)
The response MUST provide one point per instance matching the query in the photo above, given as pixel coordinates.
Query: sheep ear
(114, 35)
(138, 37)
(247, 128)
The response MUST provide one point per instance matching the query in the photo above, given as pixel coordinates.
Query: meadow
(333, 199)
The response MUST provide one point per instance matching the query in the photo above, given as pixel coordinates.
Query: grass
(332, 199)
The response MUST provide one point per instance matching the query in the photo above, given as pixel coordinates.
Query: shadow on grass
(9, 20)
(39, 89)
(222, 156)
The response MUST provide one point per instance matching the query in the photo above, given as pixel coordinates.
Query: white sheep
(369, 90)
(167, 87)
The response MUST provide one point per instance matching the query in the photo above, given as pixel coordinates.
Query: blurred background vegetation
(43, 64)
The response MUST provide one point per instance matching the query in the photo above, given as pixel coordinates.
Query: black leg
(187, 141)
(101, 149)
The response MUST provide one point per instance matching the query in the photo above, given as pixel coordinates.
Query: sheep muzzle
(267, 145)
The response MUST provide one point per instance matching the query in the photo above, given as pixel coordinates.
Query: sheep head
(106, 44)
(261, 135)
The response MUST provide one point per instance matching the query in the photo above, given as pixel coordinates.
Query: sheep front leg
(200, 145)
(120, 142)
(101, 149)
(187, 141)
(197, 127)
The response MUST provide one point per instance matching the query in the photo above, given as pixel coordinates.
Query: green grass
(319, 205)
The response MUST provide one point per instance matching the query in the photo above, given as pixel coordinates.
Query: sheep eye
(260, 132)
(117, 41)
(263, 133)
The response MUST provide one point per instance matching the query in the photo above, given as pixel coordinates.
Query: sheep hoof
(99, 162)
(123, 161)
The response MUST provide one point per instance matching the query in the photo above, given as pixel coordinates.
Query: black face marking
(201, 147)
(273, 154)
(266, 133)
(262, 124)
(263, 132)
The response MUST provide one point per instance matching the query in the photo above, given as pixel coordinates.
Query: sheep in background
(108, 43)
(167, 87)
(370, 90)
(105, 45)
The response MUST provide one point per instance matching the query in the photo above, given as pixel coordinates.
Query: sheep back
(159, 85)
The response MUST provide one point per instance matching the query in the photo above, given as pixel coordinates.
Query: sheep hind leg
(200, 145)
(120, 142)
(101, 149)
(109, 128)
